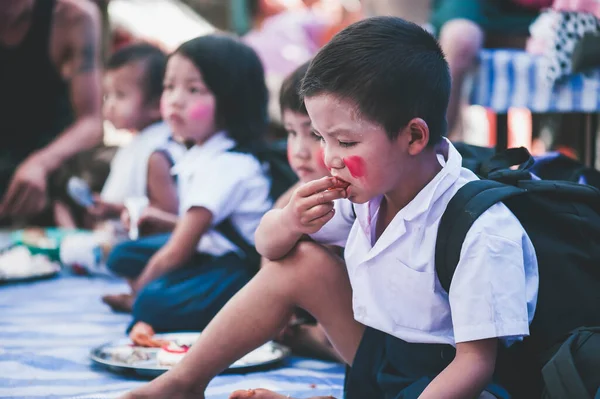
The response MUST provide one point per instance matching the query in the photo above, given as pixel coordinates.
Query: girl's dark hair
(289, 95)
(234, 74)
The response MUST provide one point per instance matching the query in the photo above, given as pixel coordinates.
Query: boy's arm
(162, 190)
(468, 374)
(274, 237)
(310, 207)
(180, 247)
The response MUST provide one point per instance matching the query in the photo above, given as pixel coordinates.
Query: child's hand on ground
(311, 205)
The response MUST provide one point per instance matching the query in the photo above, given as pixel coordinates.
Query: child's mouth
(339, 183)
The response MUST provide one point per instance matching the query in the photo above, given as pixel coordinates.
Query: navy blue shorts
(386, 367)
(185, 299)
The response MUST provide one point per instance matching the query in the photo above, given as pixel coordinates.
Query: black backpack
(273, 156)
(562, 220)
(552, 166)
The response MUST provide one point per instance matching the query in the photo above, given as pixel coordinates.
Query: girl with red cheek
(215, 101)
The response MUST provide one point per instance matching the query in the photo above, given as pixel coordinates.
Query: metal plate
(29, 278)
(24, 278)
(144, 362)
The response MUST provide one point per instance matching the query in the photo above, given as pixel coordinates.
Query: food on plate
(171, 354)
(338, 183)
(141, 335)
(18, 262)
(37, 237)
(128, 354)
(260, 355)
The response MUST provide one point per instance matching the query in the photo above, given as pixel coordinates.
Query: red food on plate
(141, 335)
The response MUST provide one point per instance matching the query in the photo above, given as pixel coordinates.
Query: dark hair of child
(154, 62)
(289, 94)
(392, 69)
(234, 74)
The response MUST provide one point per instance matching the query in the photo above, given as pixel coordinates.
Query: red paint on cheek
(289, 153)
(356, 166)
(321, 158)
(201, 111)
(163, 107)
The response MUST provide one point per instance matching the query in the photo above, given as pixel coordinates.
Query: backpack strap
(230, 232)
(470, 202)
(561, 377)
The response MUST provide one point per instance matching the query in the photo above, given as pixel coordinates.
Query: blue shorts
(185, 299)
(386, 367)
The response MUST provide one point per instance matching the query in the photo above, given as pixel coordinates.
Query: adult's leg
(310, 277)
(461, 41)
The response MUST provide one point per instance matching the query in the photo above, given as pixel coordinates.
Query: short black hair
(392, 69)
(154, 62)
(289, 94)
(234, 74)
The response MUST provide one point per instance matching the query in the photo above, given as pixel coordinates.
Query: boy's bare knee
(461, 41)
(310, 262)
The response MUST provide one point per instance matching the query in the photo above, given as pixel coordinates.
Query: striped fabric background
(511, 78)
(47, 329)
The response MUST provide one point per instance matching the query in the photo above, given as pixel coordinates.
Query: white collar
(217, 143)
(424, 200)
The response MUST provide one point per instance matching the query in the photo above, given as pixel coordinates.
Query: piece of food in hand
(338, 183)
(171, 354)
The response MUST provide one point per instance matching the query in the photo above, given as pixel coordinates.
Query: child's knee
(152, 305)
(121, 258)
(461, 41)
(312, 262)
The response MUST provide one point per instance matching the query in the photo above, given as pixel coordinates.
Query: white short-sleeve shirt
(231, 185)
(129, 168)
(395, 286)
(335, 232)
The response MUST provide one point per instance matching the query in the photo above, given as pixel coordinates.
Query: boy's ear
(418, 135)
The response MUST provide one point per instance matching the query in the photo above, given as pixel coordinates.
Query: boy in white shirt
(377, 95)
(133, 87)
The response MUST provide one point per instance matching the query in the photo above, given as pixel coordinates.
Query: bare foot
(165, 386)
(120, 303)
(265, 394)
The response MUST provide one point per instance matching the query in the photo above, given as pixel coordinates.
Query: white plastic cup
(135, 206)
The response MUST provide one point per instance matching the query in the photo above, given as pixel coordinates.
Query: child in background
(377, 96)
(305, 156)
(133, 87)
(215, 99)
(141, 169)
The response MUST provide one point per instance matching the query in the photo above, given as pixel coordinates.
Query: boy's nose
(332, 160)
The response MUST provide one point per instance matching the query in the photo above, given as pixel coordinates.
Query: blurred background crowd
(52, 54)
